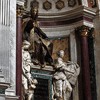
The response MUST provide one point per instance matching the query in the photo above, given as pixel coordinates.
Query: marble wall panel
(97, 53)
(8, 42)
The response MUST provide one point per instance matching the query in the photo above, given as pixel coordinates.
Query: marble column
(19, 54)
(83, 31)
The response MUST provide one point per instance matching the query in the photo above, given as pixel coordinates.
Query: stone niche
(44, 76)
(62, 38)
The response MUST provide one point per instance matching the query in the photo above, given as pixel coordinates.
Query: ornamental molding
(78, 11)
(81, 14)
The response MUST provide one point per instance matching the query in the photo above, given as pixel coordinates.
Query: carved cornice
(78, 11)
(81, 14)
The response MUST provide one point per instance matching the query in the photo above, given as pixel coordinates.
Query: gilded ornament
(83, 30)
(19, 10)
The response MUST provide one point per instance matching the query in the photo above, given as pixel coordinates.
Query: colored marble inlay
(43, 89)
(2, 91)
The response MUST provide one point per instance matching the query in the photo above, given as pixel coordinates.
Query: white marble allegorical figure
(28, 83)
(65, 75)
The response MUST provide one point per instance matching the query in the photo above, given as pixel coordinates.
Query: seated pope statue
(40, 44)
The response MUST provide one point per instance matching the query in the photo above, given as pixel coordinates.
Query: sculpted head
(34, 13)
(61, 53)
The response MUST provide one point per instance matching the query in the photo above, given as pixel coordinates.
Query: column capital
(83, 30)
(19, 10)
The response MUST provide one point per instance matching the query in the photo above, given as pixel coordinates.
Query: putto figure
(40, 45)
(64, 77)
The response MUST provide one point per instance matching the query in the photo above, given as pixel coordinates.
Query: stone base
(8, 97)
(2, 97)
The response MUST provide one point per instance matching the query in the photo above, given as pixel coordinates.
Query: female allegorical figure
(64, 77)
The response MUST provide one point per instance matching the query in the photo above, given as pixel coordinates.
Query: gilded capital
(19, 10)
(83, 30)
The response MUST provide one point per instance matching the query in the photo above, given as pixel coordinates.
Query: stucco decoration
(71, 3)
(34, 3)
(47, 5)
(60, 4)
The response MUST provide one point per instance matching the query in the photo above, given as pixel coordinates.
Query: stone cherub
(64, 77)
(28, 83)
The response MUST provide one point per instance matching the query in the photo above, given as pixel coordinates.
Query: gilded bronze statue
(40, 44)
